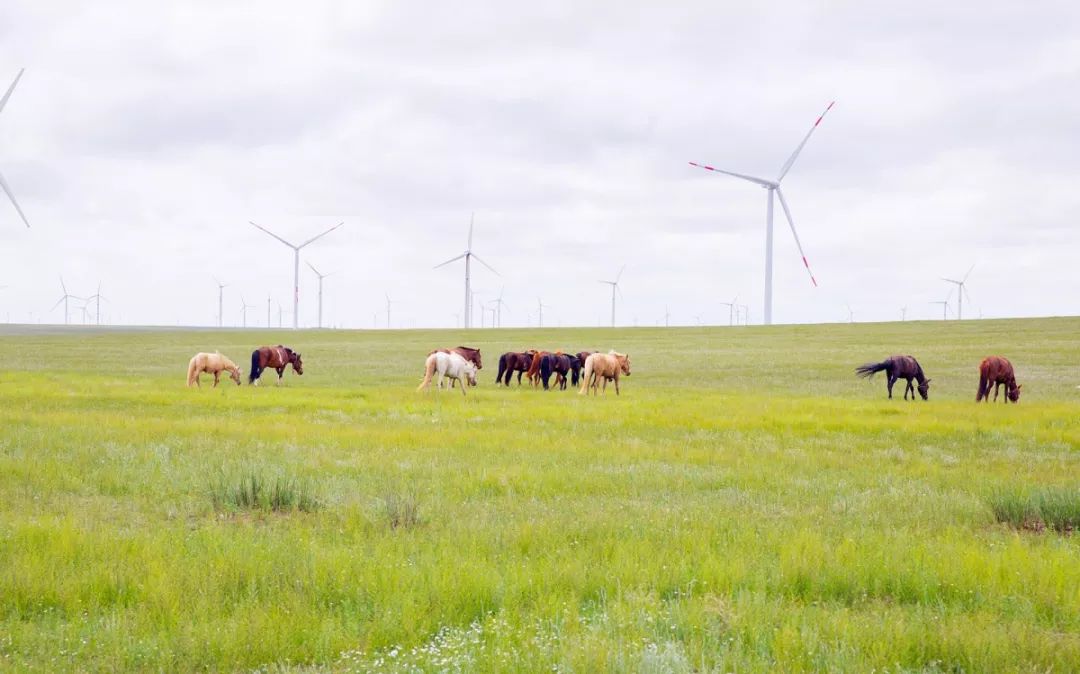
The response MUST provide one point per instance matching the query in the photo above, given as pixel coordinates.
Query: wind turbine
(731, 310)
(220, 296)
(321, 277)
(388, 303)
(541, 306)
(499, 304)
(244, 306)
(614, 286)
(97, 297)
(468, 255)
(746, 314)
(944, 308)
(3, 183)
(64, 300)
(903, 313)
(268, 311)
(667, 317)
(296, 267)
(773, 186)
(961, 290)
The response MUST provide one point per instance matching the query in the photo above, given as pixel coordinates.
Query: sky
(144, 137)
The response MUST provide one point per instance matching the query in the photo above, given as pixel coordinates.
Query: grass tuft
(401, 509)
(256, 489)
(1039, 509)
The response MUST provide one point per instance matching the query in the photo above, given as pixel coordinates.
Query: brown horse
(899, 367)
(277, 357)
(533, 373)
(606, 365)
(995, 371)
(511, 362)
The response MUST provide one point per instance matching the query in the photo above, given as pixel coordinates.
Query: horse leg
(889, 384)
(616, 382)
(217, 378)
(280, 375)
(997, 387)
(910, 387)
(464, 385)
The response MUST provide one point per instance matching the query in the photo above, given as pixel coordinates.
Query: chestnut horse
(607, 365)
(511, 362)
(899, 367)
(277, 357)
(211, 363)
(995, 371)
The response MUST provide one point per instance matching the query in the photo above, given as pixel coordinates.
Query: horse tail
(502, 369)
(545, 370)
(575, 370)
(429, 372)
(256, 369)
(870, 369)
(192, 366)
(984, 382)
(585, 376)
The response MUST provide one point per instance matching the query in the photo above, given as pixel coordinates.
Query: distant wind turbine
(667, 317)
(773, 186)
(97, 297)
(321, 277)
(64, 300)
(961, 290)
(850, 313)
(268, 305)
(468, 255)
(499, 304)
(3, 183)
(244, 306)
(731, 310)
(944, 308)
(541, 306)
(388, 303)
(220, 297)
(296, 266)
(903, 313)
(746, 314)
(615, 287)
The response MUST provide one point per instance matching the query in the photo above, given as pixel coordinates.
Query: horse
(533, 374)
(511, 362)
(211, 363)
(560, 365)
(607, 365)
(277, 357)
(452, 365)
(577, 362)
(468, 353)
(899, 367)
(995, 371)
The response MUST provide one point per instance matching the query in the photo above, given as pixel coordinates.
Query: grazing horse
(899, 367)
(211, 363)
(468, 353)
(607, 365)
(511, 362)
(995, 371)
(533, 373)
(560, 365)
(452, 365)
(277, 357)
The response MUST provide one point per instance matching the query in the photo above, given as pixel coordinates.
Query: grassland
(747, 504)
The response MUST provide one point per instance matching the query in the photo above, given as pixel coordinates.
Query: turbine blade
(58, 303)
(787, 214)
(950, 280)
(11, 195)
(63, 286)
(968, 274)
(313, 268)
(795, 154)
(314, 238)
(477, 258)
(759, 181)
(4, 100)
(471, 219)
(272, 234)
(453, 259)
(619, 275)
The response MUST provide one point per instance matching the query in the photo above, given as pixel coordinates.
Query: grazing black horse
(511, 362)
(899, 367)
(559, 364)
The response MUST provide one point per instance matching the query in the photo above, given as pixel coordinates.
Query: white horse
(450, 365)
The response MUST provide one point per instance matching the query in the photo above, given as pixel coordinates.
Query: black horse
(899, 367)
(561, 365)
(511, 362)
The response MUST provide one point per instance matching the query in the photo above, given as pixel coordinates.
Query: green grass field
(747, 504)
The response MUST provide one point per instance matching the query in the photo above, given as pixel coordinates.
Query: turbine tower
(773, 187)
(615, 286)
(3, 183)
(541, 306)
(388, 303)
(220, 295)
(730, 310)
(468, 255)
(903, 314)
(64, 300)
(97, 297)
(296, 267)
(321, 277)
(944, 308)
(244, 306)
(667, 317)
(961, 290)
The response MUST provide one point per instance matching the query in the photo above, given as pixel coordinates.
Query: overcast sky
(144, 136)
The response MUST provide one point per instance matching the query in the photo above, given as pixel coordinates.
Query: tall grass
(261, 489)
(1052, 508)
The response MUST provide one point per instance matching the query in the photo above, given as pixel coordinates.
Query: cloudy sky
(144, 136)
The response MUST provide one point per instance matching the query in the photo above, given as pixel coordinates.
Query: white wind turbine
(731, 310)
(961, 290)
(321, 277)
(541, 306)
(468, 255)
(296, 266)
(64, 300)
(97, 297)
(388, 303)
(499, 304)
(220, 296)
(3, 183)
(667, 317)
(944, 308)
(244, 306)
(773, 186)
(615, 286)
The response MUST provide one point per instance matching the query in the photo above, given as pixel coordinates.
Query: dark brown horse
(899, 367)
(995, 371)
(468, 353)
(558, 364)
(277, 357)
(511, 362)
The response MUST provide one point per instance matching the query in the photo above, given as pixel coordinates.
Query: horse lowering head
(1014, 393)
(924, 390)
(235, 374)
(297, 362)
(624, 362)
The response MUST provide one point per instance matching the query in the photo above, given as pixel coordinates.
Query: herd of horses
(591, 368)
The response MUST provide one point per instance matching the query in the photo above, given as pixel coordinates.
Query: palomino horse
(899, 367)
(211, 363)
(277, 357)
(606, 365)
(511, 362)
(468, 353)
(452, 365)
(995, 371)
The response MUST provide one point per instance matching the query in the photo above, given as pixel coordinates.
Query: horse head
(924, 390)
(624, 363)
(470, 373)
(1014, 393)
(235, 375)
(297, 363)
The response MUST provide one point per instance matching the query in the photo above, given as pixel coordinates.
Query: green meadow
(747, 504)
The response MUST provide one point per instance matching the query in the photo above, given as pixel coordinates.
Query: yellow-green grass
(747, 504)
